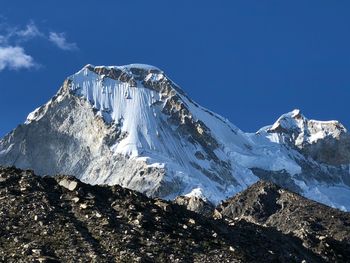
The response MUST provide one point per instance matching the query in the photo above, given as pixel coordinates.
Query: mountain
(61, 219)
(133, 126)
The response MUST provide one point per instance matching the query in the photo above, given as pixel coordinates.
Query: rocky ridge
(52, 219)
(323, 230)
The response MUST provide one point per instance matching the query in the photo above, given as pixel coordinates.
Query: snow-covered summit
(307, 131)
(149, 122)
(290, 121)
(139, 66)
(131, 125)
(133, 74)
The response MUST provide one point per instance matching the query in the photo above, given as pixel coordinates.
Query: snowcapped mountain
(131, 125)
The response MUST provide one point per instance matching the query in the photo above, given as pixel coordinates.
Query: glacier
(132, 125)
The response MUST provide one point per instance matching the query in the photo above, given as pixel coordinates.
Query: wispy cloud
(13, 34)
(14, 57)
(59, 39)
(29, 32)
(3, 39)
(12, 42)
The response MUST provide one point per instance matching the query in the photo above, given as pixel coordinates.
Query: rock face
(195, 204)
(321, 229)
(131, 125)
(60, 219)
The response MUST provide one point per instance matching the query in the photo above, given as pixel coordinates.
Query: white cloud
(10, 35)
(12, 43)
(59, 39)
(30, 31)
(14, 57)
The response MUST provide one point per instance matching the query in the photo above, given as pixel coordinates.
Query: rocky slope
(321, 229)
(133, 126)
(52, 219)
(60, 219)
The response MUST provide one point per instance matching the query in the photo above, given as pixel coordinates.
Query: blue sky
(250, 61)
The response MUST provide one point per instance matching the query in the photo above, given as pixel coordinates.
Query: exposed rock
(120, 225)
(323, 230)
(70, 185)
(195, 204)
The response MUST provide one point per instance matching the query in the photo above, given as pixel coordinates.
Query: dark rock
(321, 229)
(114, 224)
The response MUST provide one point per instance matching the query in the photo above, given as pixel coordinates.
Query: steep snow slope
(131, 125)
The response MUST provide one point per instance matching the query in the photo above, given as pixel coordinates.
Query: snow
(138, 113)
(305, 131)
(151, 140)
(336, 196)
(289, 121)
(141, 66)
(32, 116)
(196, 192)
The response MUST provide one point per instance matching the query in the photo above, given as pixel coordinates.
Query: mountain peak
(131, 125)
(288, 121)
(295, 122)
(296, 113)
(130, 74)
(135, 69)
(324, 141)
(133, 75)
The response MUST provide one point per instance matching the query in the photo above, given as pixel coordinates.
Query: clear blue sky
(250, 61)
